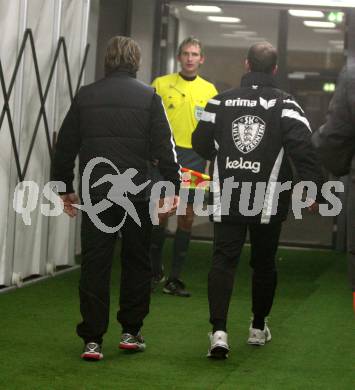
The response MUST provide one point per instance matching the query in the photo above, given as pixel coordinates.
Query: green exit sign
(329, 87)
(335, 17)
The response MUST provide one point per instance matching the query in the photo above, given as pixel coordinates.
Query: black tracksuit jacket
(335, 143)
(123, 120)
(250, 134)
(335, 140)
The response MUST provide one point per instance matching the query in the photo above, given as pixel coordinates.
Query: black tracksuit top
(250, 134)
(123, 120)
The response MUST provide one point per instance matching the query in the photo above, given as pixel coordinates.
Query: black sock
(156, 249)
(133, 330)
(181, 245)
(258, 322)
(219, 325)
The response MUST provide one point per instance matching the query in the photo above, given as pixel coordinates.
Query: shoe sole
(166, 291)
(218, 353)
(259, 343)
(131, 347)
(92, 356)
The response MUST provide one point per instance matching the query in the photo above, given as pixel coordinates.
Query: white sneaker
(258, 336)
(219, 347)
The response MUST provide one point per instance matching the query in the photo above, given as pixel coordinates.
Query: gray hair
(122, 53)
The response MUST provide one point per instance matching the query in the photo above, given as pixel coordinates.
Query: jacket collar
(258, 78)
(122, 72)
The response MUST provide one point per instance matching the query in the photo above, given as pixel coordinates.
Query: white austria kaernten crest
(247, 132)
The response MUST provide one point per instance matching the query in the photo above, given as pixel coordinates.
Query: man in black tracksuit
(123, 121)
(335, 143)
(249, 134)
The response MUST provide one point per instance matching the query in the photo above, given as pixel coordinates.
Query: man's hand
(167, 207)
(69, 200)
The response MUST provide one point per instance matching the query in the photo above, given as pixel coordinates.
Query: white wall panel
(30, 241)
(62, 230)
(9, 26)
(26, 250)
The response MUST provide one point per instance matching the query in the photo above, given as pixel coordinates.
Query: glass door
(310, 42)
(315, 56)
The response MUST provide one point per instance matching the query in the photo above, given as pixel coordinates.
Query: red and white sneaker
(132, 343)
(92, 351)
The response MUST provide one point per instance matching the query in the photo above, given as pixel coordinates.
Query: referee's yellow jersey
(184, 102)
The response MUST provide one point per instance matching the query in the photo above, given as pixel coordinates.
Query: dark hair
(262, 57)
(122, 53)
(190, 41)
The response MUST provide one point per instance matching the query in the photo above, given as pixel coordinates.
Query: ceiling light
(297, 76)
(228, 35)
(326, 31)
(302, 75)
(337, 42)
(233, 25)
(314, 23)
(314, 3)
(244, 33)
(204, 8)
(248, 38)
(256, 39)
(302, 13)
(241, 34)
(223, 19)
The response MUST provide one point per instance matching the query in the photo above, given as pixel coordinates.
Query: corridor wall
(48, 242)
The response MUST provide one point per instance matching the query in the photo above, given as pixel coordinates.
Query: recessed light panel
(204, 8)
(303, 13)
(244, 33)
(336, 42)
(256, 39)
(314, 3)
(233, 26)
(326, 31)
(223, 19)
(318, 24)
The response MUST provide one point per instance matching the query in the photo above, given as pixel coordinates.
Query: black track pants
(228, 243)
(97, 255)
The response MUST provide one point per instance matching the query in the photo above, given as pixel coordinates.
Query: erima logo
(267, 103)
(253, 166)
(241, 103)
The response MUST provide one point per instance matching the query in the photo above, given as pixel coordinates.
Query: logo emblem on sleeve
(247, 132)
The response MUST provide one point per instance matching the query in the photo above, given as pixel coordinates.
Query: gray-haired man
(122, 121)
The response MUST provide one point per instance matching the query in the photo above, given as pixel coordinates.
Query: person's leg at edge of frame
(157, 241)
(228, 243)
(94, 285)
(156, 252)
(264, 243)
(135, 279)
(174, 284)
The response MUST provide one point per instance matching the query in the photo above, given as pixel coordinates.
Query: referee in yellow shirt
(184, 96)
